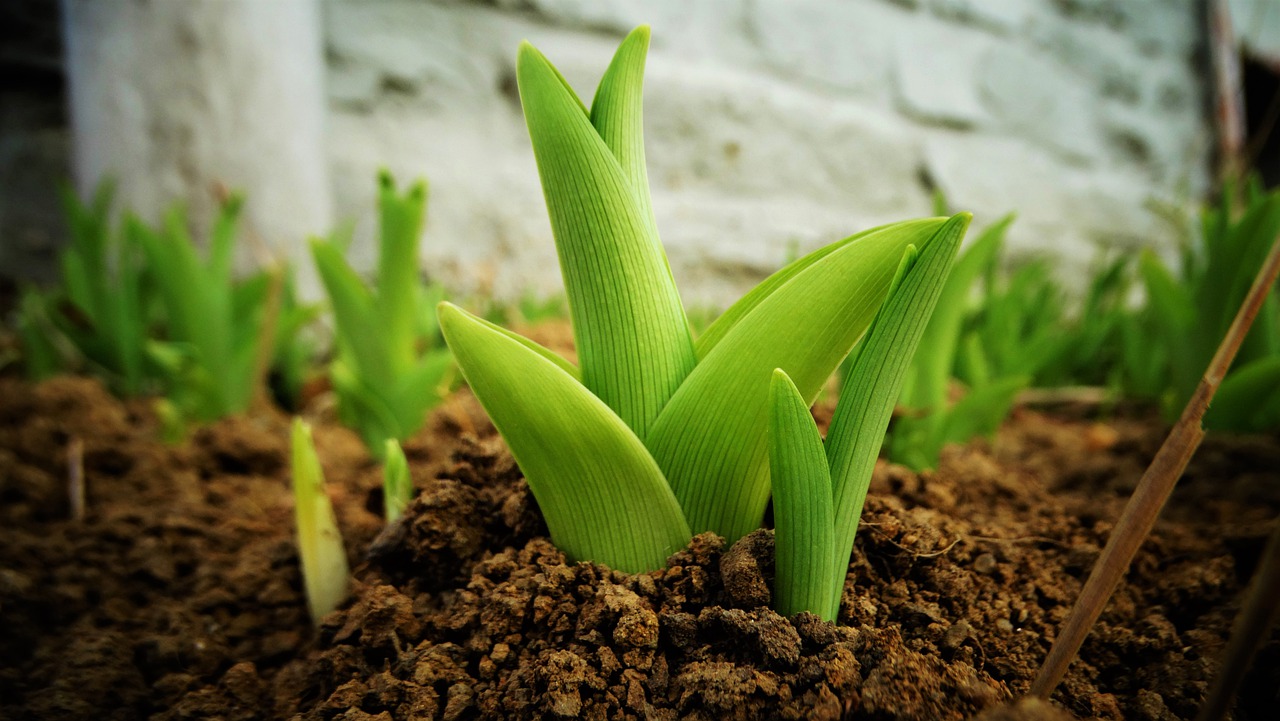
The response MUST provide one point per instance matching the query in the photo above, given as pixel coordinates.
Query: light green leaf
(747, 303)
(1248, 400)
(804, 533)
(324, 561)
(629, 325)
(353, 312)
(709, 440)
(401, 224)
(875, 379)
(617, 114)
(397, 487)
(364, 409)
(602, 495)
(979, 412)
(931, 367)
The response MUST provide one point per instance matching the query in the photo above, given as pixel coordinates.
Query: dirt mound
(178, 595)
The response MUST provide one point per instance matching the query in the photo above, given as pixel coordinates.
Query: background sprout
(397, 486)
(324, 561)
(389, 367)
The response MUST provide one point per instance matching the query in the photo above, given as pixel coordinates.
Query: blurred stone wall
(773, 127)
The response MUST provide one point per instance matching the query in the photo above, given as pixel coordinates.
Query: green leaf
(980, 411)
(932, 365)
(876, 377)
(802, 507)
(602, 495)
(710, 439)
(1248, 400)
(629, 325)
(222, 239)
(396, 305)
(1174, 315)
(617, 114)
(364, 409)
(324, 561)
(40, 356)
(358, 331)
(747, 303)
(215, 321)
(397, 487)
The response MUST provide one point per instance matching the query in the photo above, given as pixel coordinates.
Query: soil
(177, 595)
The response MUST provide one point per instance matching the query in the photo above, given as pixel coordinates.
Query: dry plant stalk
(1259, 614)
(1153, 490)
(75, 478)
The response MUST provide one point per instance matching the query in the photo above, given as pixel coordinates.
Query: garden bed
(178, 594)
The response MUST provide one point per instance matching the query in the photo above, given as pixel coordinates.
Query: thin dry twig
(1067, 395)
(1153, 490)
(1259, 614)
(75, 478)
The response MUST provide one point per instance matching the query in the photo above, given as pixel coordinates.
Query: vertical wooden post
(171, 99)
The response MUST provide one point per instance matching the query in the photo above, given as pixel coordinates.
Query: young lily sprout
(397, 487)
(324, 561)
(654, 437)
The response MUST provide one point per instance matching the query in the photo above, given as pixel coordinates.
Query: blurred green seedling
(930, 419)
(98, 313)
(1189, 310)
(214, 343)
(397, 486)
(390, 367)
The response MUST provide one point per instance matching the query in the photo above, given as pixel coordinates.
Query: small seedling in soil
(217, 330)
(390, 366)
(324, 561)
(655, 437)
(397, 487)
(100, 307)
(1156, 485)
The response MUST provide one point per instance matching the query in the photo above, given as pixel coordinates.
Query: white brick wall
(775, 126)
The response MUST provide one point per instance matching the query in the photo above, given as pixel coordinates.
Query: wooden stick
(1261, 608)
(1066, 395)
(75, 478)
(1153, 490)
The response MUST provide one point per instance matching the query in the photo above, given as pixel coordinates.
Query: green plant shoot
(387, 373)
(397, 486)
(213, 322)
(1187, 313)
(654, 437)
(324, 560)
(101, 305)
(931, 420)
(818, 497)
